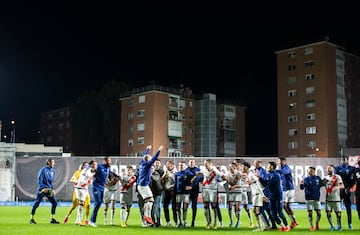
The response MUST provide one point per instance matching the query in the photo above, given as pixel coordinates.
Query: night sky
(50, 55)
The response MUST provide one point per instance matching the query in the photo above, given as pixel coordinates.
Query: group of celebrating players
(271, 190)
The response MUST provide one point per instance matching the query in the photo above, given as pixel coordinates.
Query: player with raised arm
(143, 181)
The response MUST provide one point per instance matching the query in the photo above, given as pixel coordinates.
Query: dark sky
(49, 55)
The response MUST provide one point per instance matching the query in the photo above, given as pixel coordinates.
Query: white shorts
(257, 200)
(126, 198)
(235, 197)
(244, 198)
(289, 195)
(336, 206)
(81, 194)
(109, 195)
(145, 192)
(183, 198)
(313, 205)
(209, 195)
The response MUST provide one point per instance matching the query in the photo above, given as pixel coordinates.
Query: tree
(110, 107)
(96, 121)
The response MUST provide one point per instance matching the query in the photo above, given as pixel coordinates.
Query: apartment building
(186, 124)
(318, 100)
(55, 128)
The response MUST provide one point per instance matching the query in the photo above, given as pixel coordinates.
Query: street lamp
(12, 137)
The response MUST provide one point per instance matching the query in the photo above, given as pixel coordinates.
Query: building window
(311, 155)
(141, 127)
(292, 118)
(190, 103)
(173, 115)
(49, 116)
(61, 114)
(292, 106)
(291, 80)
(311, 130)
(309, 64)
(341, 115)
(49, 127)
(342, 129)
(310, 90)
(61, 126)
(310, 116)
(340, 92)
(130, 116)
(310, 103)
(182, 104)
(174, 102)
(60, 138)
(67, 125)
(340, 80)
(141, 99)
(131, 102)
(341, 104)
(131, 129)
(292, 54)
(292, 93)
(310, 77)
(140, 140)
(293, 132)
(291, 67)
(308, 51)
(311, 144)
(130, 143)
(293, 145)
(340, 66)
(141, 113)
(182, 117)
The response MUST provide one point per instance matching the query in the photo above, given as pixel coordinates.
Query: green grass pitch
(15, 220)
